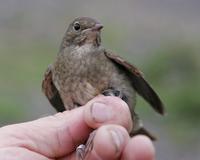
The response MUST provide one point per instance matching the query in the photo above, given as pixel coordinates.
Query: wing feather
(51, 91)
(139, 83)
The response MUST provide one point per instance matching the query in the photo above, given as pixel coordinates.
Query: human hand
(57, 137)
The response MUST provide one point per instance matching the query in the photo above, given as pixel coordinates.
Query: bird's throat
(83, 51)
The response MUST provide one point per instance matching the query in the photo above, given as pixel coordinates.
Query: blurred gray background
(161, 37)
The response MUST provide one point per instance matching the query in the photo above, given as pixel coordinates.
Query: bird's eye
(77, 26)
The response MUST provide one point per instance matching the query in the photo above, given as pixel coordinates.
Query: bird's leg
(116, 93)
(138, 126)
(82, 150)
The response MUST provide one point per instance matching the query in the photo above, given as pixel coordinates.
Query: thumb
(51, 136)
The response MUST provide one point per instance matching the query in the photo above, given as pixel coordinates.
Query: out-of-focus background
(161, 37)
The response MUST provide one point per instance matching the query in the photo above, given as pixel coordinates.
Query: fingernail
(100, 112)
(117, 138)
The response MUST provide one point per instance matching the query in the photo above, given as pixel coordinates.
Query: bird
(84, 69)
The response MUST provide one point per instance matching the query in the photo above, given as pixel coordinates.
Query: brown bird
(84, 69)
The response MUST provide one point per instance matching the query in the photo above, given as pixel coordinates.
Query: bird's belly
(78, 90)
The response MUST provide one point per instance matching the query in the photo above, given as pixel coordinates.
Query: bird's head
(81, 31)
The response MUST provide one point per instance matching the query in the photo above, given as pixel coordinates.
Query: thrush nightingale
(84, 69)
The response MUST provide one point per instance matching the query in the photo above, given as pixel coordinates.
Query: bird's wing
(139, 83)
(51, 91)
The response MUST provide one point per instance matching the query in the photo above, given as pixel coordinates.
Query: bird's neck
(84, 50)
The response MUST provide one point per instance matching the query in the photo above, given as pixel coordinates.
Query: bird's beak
(97, 27)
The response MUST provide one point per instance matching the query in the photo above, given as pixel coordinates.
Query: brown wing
(138, 82)
(51, 92)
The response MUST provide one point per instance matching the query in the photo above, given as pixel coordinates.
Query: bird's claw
(82, 150)
(116, 93)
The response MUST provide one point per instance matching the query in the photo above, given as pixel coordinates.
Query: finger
(108, 143)
(107, 110)
(59, 135)
(12, 153)
(139, 148)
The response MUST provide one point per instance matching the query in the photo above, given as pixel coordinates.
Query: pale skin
(57, 137)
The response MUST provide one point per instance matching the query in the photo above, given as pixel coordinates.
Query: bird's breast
(82, 78)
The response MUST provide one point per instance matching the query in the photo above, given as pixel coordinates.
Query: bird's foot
(116, 93)
(82, 150)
